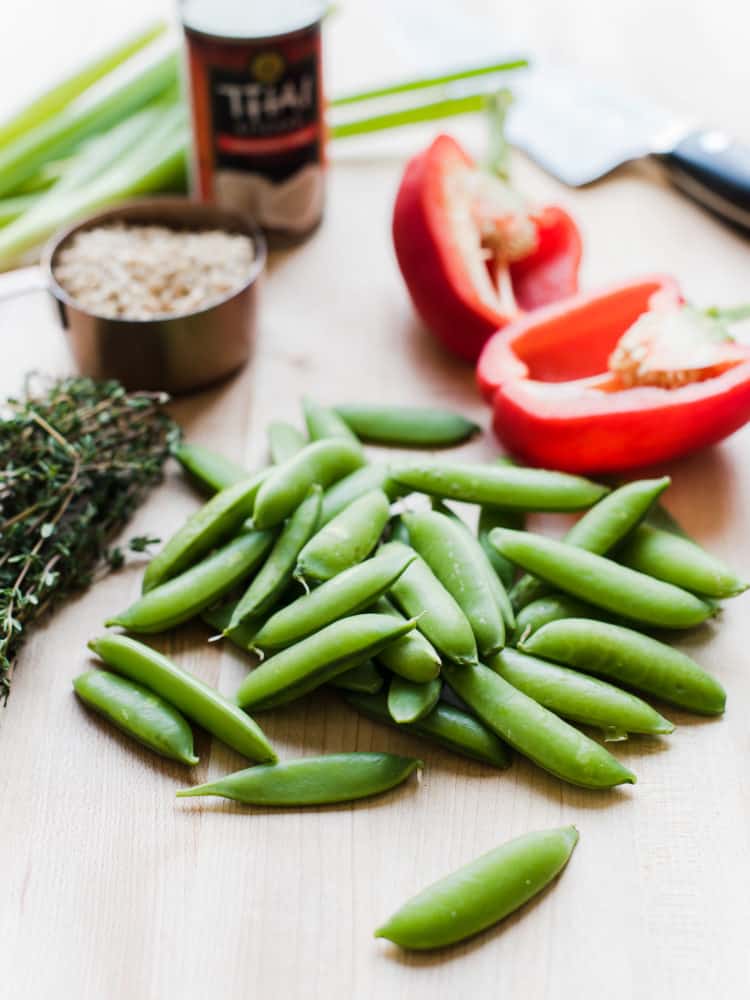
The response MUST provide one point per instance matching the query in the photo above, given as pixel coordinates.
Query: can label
(258, 123)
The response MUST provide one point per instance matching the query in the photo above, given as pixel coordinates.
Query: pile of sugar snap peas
(330, 571)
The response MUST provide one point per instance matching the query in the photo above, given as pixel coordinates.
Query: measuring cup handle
(21, 282)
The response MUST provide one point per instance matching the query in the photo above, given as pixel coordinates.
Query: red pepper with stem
(615, 380)
(471, 252)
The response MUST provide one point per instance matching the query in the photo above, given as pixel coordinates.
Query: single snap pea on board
(677, 560)
(186, 595)
(579, 697)
(138, 712)
(447, 726)
(351, 591)
(550, 609)
(633, 659)
(509, 486)
(409, 702)
(418, 592)
(602, 582)
(458, 562)
(362, 679)
(312, 781)
(481, 893)
(198, 701)
(534, 731)
(215, 522)
(301, 668)
(412, 656)
(287, 484)
(496, 517)
(284, 441)
(599, 529)
(346, 540)
(323, 422)
(211, 471)
(418, 426)
(370, 477)
(276, 573)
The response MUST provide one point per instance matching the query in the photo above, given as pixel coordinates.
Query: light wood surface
(111, 888)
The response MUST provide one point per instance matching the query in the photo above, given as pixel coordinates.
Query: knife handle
(714, 170)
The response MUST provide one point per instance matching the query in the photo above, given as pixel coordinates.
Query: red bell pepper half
(472, 254)
(615, 380)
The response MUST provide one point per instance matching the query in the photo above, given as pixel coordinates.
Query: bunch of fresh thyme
(76, 457)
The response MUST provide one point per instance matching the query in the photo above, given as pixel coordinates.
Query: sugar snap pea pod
(276, 572)
(370, 477)
(419, 592)
(496, 517)
(449, 727)
(458, 562)
(218, 617)
(600, 528)
(630, 658)
(481, 893)
(351, 591)
(287, 484)
(602, 582)
(138, 712)
(399, 532)
(206, 528)
(316, 660)
(363, 679)
(284, 441)
(211, 471)
(412, 656)
(534, 731)
(578, 697)
(312, 781)
(677, 560)
(550, 609)
(510, 486)
(409, 702)
(186, 595)
(346, 540)
(419, 426)
(198, 701)
(323, 422)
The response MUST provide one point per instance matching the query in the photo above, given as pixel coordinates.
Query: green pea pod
(419, 592)
(186, 595)
(208, 527)
(481, 893)
(276, 573)
(218, 617)
(212, 472)
(447, 726)
(513, 487)
(346, 540)
(458, 562)
(196, 700)
(578, 697)
(601, 582)
(362, 679)
(287, 484)
(626, 656)
(412, 656)
(600, 528)
(496, 517)
(407, 426)
(409, 702)
(356, 484)
(550, 609)
(323, 422)
(312, 781)
(284, 441)
(316, 660)
(351, 591)
(138, 712)
(534, 731)
(668, 557)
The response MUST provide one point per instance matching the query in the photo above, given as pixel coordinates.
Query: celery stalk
(54, 138)
(54, 100)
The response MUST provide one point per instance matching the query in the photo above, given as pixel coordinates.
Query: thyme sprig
(76, 458)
